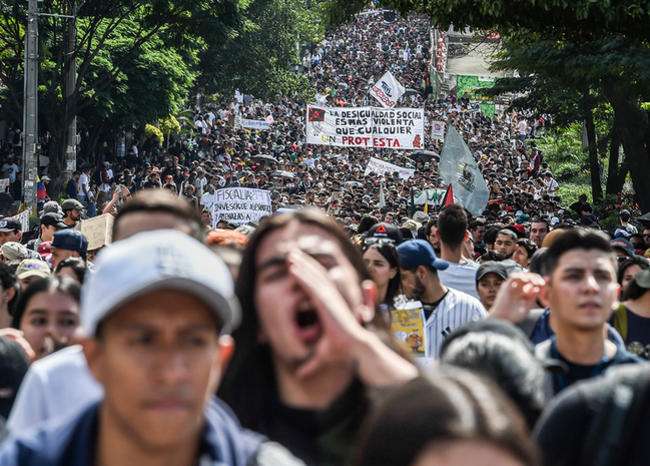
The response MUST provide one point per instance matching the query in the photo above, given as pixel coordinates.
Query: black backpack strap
(608, 440)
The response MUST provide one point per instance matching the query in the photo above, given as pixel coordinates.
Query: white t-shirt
(461, 277)
(84, 185)
(57, 386)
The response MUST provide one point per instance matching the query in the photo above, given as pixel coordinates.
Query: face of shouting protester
(289, 321)
(159, 358)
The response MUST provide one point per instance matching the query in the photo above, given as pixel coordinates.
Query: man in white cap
(157, 316)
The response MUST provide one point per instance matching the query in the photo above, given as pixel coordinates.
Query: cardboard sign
(239, 206)
(98, 231)
(22, 218)
(370, 127)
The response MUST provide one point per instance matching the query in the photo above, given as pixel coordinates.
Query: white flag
(382, 196)
(387, 90)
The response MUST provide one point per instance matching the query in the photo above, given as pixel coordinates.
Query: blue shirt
(543, 331)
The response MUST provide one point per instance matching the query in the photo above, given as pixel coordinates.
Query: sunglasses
(378, 242)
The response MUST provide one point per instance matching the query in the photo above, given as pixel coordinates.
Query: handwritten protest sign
(98, 231)
(239, 206)
(22, 218)
(380, 167)
(438, 130)
(395, 128)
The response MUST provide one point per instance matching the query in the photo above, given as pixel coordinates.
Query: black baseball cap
(53, 220)
(491, 267)
(385, 230)
(8, 224)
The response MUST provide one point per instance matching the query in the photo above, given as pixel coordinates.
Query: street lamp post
(30, 107)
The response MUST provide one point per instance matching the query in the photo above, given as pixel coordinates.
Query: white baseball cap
(156, 260)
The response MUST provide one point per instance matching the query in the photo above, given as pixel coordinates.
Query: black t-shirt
(638, 335)
(319, 438)
(563, 430)
(573, 372)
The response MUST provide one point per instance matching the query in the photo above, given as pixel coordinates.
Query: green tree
(604, 42)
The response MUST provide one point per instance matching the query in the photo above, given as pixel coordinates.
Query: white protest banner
(387, 90)
(458, 167)
(396, 128)
(260, 125)
(380, 167)
(438, 130)
(239, 206)
(98, 231)
(4, 183)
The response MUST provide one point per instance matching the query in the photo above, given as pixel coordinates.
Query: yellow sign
(407, 325)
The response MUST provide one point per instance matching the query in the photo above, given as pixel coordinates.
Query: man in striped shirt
(445, 309)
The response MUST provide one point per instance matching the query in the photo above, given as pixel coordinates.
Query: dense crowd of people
(335, 331)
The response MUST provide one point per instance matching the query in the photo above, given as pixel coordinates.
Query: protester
(632, 317)
(580, 290)
(8, 292)
(453, 418)
(627, 270)
(47, 313)
(72, 210)
(524, 252)
(10, 230)
(158, 345)
(489, 278)
(13, 366)
(498, 351)
(30, 270)
(599, 422)
(307, 352)
(382, 262)
(505, 243)
(68, 243)
(445, 309)
(73, 267)
(50, 223)
(538, 230)
(452, 232)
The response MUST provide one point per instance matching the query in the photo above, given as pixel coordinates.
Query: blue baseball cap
(71, 240)
(416, 252)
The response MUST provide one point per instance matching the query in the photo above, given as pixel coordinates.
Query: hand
(517, 296)
(17, 336)
(341, 326)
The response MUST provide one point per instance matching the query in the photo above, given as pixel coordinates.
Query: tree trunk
(594, 164)
(634, 128)
(613, 166)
